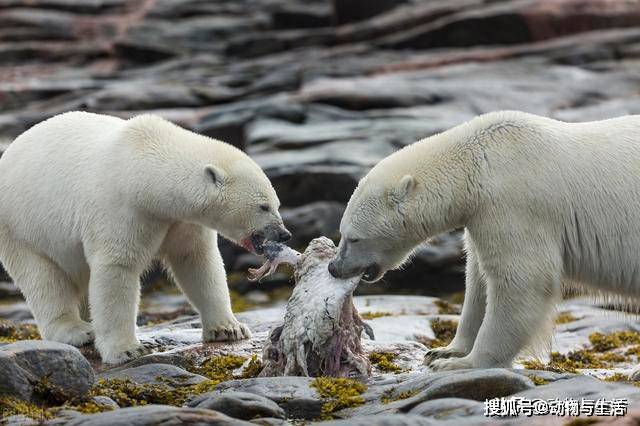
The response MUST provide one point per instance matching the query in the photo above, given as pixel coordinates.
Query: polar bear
(87, 201)
(542, 202)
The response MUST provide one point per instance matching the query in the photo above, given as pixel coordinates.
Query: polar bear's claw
(226, 332)
(445, 364)
(126, 355)
(444, 352)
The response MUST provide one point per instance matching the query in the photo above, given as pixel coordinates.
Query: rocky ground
(186, 382)
(317, 91)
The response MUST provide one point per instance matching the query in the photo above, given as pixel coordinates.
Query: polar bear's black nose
(332, 270)
(284, 235)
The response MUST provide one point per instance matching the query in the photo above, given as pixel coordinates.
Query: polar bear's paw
(444, 364)
(123, 355)
(232, 330)
(443, 352)
(76, 333)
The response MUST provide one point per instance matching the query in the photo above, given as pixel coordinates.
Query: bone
(276, 255)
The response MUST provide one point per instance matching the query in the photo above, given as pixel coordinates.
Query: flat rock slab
(26, 363)
(240, 405)
(448, 408)
(294, 394)
(155, 374)
(386, 420)
(583, 387)
(155, 415)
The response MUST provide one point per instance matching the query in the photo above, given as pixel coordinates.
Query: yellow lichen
(10, 406)
(384, 362)
(338, 393)
(372, 315)
(444, 331)
(11, 332)
(565, 317)
(604, 342)
(446, 308)
(220, 368)
(389, 397)
(252, 369)
(617, 377)
(239, 303)
(538, 381)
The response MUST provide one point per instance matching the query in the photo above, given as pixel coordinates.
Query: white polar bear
(543, 202)
(87, 201)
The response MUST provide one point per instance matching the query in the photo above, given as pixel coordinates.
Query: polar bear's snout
(272, 232)
(338, 268)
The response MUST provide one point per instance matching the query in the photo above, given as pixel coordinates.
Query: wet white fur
(87, 201)
(543, 202)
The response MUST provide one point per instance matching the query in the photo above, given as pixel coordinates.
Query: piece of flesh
(321, 332)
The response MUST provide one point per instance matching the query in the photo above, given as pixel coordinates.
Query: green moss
(339, 393)
(253, 368)
(11, 332)
(240, 303)
(389, 397)
(220, 368)
(372, 315)
(446, 308)
(604, 342)
(10, 406)
(538, 381)
(444, 330)
(384, 362)
(565, 317)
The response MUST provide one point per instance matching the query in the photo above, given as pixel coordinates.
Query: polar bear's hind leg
(52, 297)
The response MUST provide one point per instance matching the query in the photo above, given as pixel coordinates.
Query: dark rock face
(240, 405)
(59, 367)
(157, 414)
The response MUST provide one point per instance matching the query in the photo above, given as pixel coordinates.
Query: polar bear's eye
(353, 240)
(264, 207)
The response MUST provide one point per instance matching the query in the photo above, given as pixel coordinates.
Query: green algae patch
(10, 406)
(446, 308)
(373, 315)
(604, 342)
(339, 393)
(444, 331)
(253, 368)
(389, 397)
(11, 332)
(565, 318)
(604, 351)
(384, 362)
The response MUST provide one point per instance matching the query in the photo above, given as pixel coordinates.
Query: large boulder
(240, 405)
(31, 367)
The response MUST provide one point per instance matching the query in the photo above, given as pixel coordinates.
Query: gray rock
(582, 386)
(19, 420)
(240, 405)
(9, 289)
(157, 414)
(385, 420)
(312, 221)
(448, 408)
(28, 362)
(155, 374)
(105, 401)
(293, 394)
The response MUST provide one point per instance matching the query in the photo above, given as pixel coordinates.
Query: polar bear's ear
(403, 188)
(216, 174)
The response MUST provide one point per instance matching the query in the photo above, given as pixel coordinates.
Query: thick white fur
(542, 202)
(87, 201)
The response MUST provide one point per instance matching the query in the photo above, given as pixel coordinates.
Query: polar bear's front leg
(114, 293)
(520, 297)
(193, 256)
(473, 310)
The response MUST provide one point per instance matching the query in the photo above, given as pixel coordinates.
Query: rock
(156, 414)
(240, 405)
(582, 387)
(384, 420)
(65, 372)
(166, 374)
(19, 420)
(18, 311)
(310, 221)
(105, 401)
(448, 408)
(9, 289)
(357, 10)
(294, 394)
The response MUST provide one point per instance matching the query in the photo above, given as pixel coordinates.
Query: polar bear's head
(243, 206)
(378, 227)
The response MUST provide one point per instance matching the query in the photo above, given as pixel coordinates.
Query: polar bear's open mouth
(257, 242)
(371, 273)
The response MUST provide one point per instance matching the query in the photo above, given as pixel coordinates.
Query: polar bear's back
(47, 177)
